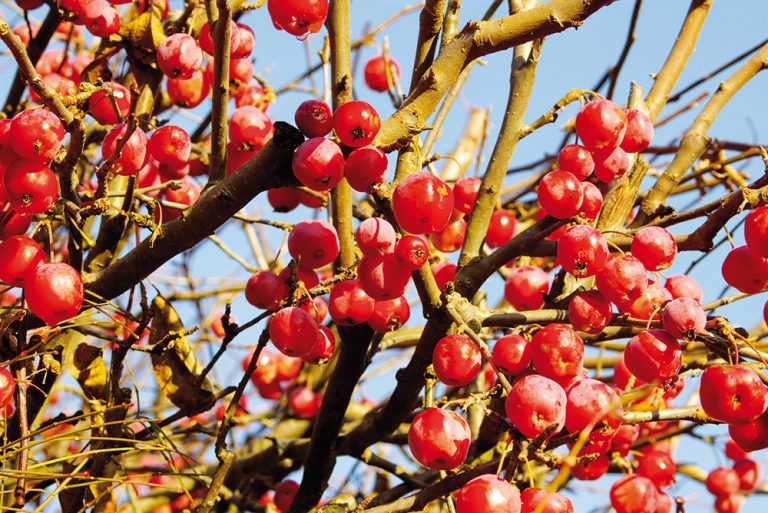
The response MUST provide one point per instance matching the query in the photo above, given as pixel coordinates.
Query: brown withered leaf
(144, 35)
(88, 368)
(176, 368)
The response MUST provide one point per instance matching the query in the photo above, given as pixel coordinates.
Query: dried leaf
(176, 367)
(144, 34)
(88, 368)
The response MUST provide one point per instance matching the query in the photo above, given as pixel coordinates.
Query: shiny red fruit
(318, 164)
(19, 256)
(634, 494)
(293, 332)
(349, 304)
(622, 279)
(525, 288)
(577, 160)
(557, 351)
(389, 315)
(365, 168)
(501, 229)
(734, 394)
(595, 406)
(751, 436)
(589, 311)
(554, 502)
(356, 123)
(582, 251)
(375, 236)
(37, 135)
(465, 192)
(298, 18)
(684, 286)
(610, 164)
(101, 107)
(653, 356)
(265, 290)
(314, 118)
(723, 481)
(456, 360)
(601, 124)
(376, 75)
(313, 243)
(659, 467)
(750, 474)
(488, 494)
(746, 271)
(655, 247)
(439, 439)
(383, 277)
(639, 131)
(512, 353)
(132, 156)
(412, 251)
(54, 292)
(422, 203)
(560, 194)
(684, 318)
(534, 404)
(29, 187)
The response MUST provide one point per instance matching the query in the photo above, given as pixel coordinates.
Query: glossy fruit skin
(611, 164)
(375, 73)
(187, 194)
(365, 168)
(389, 315)
(298, 17)
(648, 304)
(283, 199)
(465, 192)
(383, 276)
(313, 243)
(285, 492)
(659, 467)
(178, 56)
(625, 436)
(723, 481)
(684, 286)
(439, 439)
(17, 224)
(582, 251)
(639, 133)
(653, 356)
(512, 353)
(730, 503)
(375, 236)
(534, 403)
(349, 304)
(601, 124)
(412, 251)
(590, 471)
(307, 277)
(189, 93)
(593, 201)
(622, 279)
(170, 145)
(557, 351)
(205, 38)
(133, 155)
(356, 123)
(19, 256)
(751, 436)
(318, 164)
(525, 287)
(745, 271)
(38, 135)
(593, 405)
(456, 360)
(589, 311)
(7, 387)
(634, 494)
(422, 203)
(249, 128)
(750, 474)
(655, 247)
(324, 348)
(30, 188)
(265, 290)
(304, 402)
(553, 502)
(254, 95)
(560, 194)
(314, 118)
(501, 229)
(664, 503)
(733, 394)
(84, 11)
(684, 318)
(488, 494)
(101, 108)
(450, 238)
(734, 452)
(293, 332)
(577, 160)
(54, 292)
(756, 231)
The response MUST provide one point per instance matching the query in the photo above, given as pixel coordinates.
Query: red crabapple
(439, 439)
(456, 360)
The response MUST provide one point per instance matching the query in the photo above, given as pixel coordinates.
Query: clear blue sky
(576, 58)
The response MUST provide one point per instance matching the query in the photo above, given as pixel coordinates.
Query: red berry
(751, 436)
(456, 360)
(501, 228)
(684, 318)
(684, 286)
(622, 279)
(750, 473)
(577, 160)
(723, 481)
(582, 251)
(655, 247)
(488, 494)
(451, 237)
(84, 11)
(733, 394)
(389, 315)
(283, 199)
(745, 270)
(189, 93)
(19, 256)
(659, 467)
(756, 231)
(465, 192)
(7, 387)
(625, 436)
(314, 118)
(591, 470)
(249, 128)
(648, 304)
(383, 277)
(376, 73)
(54, 292)
(444, 272)
(375, 236)
(537, 500)
(512, 353)
(16, 224)
(593, 201)
(265, 290)
(313, 243)
(412, 252)
(304, 402)
(285, 492)
(133, 155)
(734, 452)
(101, 107)
(293, 332)
(560, 194)
(298, 18)
(595, 406)
(653, 355)
(170, 145)
(187, 194)
(589, 311)
(557, 351)
(318, 164)
(307, 277)
(634, 494)
(244, 44)
(30, 188)
(730, 503)
(349, 304)
(324, 348)
(610, 164)
(422, 203)
(37, 135)
(439, 439)
(356, 123)
(639, 131)
(365, 168)
(254, 95)
(601, 124)
(534, 404)
(525, 288)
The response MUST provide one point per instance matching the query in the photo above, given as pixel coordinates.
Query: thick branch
(265, 170)
(220, 92)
